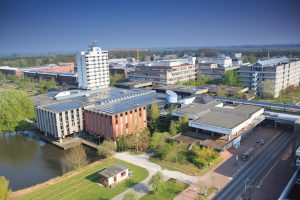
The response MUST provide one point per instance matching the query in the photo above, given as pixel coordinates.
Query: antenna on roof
(95, 43)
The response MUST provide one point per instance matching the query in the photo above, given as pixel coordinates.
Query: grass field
(187, 168)
(167, 191)
(84, 185)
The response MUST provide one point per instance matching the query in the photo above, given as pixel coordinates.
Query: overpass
(281, 113)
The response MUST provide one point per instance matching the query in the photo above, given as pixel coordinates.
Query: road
(257, 168)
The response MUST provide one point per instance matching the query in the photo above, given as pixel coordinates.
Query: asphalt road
(255, 170)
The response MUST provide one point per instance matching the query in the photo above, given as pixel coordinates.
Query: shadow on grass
(94, 177)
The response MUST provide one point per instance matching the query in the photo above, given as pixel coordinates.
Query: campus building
(282, 72)
(61, 78)
(217, 125)
(165, 72)
(213, 70)
(107, 112)
(114, 120)
(93, 70)
(61, 119)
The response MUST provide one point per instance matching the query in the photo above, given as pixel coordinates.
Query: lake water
(25, 160)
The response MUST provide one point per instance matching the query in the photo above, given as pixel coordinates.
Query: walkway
(143, 187)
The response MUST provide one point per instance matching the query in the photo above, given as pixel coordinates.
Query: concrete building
(217, 125)
(93, 70)
(106, 112)
(282, 71)
(19, 71)
(6, 70)
(213, 70)
(165, 72)
(114, 120)
(61, 119)
(61, 78)
(113, 175)
(221, 61)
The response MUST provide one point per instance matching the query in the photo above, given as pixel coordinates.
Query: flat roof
(112, 171)
(183, 89)
(226, 117)
(197, 108)
(64, 106)
(114, 108)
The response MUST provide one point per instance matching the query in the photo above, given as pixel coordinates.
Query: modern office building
(93, 70)
(114, 120)
(165, 72)
(282, 71)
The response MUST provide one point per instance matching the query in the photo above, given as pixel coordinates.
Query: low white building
(113, 175)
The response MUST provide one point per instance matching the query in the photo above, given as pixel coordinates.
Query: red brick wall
(109, 128)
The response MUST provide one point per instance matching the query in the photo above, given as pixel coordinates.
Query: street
(254, 171)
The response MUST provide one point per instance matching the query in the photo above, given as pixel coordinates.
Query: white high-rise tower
(93, 70)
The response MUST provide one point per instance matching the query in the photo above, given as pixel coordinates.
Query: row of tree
(41, 85)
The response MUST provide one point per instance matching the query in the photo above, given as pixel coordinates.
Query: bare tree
(77, 156)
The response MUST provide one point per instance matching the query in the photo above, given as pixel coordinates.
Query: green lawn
(167, 191)
(84, 184)
(187, 168)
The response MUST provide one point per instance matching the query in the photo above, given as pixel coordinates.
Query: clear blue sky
(33, 26)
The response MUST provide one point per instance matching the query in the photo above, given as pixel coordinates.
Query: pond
(26, 160)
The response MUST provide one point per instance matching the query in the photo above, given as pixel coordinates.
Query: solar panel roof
(64, 106)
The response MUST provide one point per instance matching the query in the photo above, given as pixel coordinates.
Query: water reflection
(26, 160)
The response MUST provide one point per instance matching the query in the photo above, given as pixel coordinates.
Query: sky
(41, 26)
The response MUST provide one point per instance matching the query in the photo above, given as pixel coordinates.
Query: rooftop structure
(183, 90)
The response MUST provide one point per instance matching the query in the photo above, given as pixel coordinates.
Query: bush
(202, 156)
(4, 188)
(107, 148)
(156, 182)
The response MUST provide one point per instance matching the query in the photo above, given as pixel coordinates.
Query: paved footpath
(143, 187)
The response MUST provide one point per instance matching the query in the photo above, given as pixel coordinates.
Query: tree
(249, 59)
(173, 128)
(158, 140)
(268, 88)
(107, 149)
(154, 115)
(202, 156)
(183, 123)
(221, 91)
(4, 188)
(130, 196)
(231, 78)
(77, 156)
(138, 140)
(156, 182)
(15, 107)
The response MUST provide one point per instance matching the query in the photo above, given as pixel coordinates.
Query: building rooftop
(227, 117)
(112, 171)
(183, 89)
(273, 61)
(64, 106)
(114, 108)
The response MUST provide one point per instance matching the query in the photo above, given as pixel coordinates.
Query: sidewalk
(143, 187)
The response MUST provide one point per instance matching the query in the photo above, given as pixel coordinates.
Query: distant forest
(251, 55)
